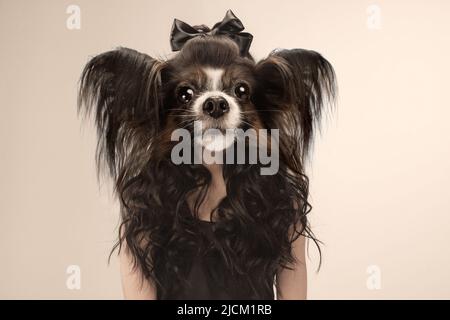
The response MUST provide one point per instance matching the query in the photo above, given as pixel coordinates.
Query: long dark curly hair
(261, 215)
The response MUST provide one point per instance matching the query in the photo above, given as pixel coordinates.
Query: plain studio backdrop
(380, 171)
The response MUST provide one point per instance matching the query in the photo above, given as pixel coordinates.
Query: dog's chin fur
(134, 98)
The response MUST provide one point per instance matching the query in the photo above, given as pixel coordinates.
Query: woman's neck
(216, 171)
(216, 192)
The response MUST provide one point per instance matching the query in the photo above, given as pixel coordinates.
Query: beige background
(381, 170)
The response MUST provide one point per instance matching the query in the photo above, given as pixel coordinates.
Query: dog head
(211, 79)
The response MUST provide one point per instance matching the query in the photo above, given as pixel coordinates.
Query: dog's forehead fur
(206, 77)
(211, 62)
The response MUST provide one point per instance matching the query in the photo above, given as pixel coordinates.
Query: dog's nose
(216, 107)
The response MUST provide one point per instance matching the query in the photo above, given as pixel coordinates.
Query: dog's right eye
(185, 94)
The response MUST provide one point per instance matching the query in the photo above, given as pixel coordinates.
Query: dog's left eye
(241, 90)
(185, 94)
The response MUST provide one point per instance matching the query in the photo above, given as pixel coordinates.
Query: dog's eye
(241, 90)
(185, 94)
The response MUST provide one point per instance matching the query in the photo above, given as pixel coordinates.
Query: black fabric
(230, 26)
(209, 279)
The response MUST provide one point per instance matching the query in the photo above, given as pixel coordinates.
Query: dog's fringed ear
(122, 88)
(293, 87)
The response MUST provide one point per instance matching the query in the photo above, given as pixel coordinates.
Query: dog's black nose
(216, 107)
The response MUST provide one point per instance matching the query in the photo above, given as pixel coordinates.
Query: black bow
(230, 26)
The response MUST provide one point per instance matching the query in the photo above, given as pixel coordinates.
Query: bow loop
(230, 26)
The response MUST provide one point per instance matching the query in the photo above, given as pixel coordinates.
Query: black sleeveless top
(208, 278)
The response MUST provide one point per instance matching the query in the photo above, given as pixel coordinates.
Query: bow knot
(230, 26)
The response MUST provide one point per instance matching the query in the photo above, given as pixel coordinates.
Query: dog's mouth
(216, 139)
(213, 134)
(217, 124)
(222, 124)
